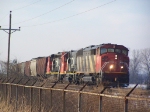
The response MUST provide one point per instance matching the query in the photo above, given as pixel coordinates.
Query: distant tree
(135, 66)
(14, 68)
(145, 56)
(3, 69)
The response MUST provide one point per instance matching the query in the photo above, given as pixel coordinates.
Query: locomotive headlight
(111, 66)
(121, 67)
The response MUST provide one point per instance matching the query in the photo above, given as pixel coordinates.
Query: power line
(46, 12)
(72, 15)
(4, 17)
(26, 5)
(20, 8)
(2, 39)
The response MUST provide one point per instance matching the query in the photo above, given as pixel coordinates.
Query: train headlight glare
(121, 67)
(111, 66)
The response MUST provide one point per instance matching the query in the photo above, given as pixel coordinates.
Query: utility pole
(9, 34)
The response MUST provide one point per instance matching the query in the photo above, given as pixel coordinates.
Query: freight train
(105, 63)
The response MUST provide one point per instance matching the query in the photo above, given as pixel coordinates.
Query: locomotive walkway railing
(12, 92)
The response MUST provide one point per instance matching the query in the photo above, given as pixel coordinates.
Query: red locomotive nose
(105, 58)
(115, 62)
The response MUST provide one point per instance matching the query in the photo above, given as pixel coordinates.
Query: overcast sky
(50, 26)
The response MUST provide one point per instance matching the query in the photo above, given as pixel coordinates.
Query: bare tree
(3, 69)
(135, 66)
(145, 55)
(14, 68)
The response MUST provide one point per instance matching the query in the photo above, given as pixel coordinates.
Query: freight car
(105, 63)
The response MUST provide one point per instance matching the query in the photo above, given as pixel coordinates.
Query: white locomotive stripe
(86, 66)
(82, 67)
(91, 63)
(78, 64)
(92, 60)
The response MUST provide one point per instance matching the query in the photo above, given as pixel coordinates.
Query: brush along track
(40, 82)
(49, 96)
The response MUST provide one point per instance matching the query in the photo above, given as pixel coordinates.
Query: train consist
(104, 63)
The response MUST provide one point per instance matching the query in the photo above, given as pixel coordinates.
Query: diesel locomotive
(105, 63)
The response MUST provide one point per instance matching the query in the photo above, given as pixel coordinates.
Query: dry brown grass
(89, 103)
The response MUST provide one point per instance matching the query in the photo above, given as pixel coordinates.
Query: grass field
(24, 99)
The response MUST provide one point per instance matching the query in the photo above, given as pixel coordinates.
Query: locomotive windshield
(117, 50)
(125, 52)
(104, 50)
(110, 50)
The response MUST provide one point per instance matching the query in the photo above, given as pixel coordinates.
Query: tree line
(139, 67)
